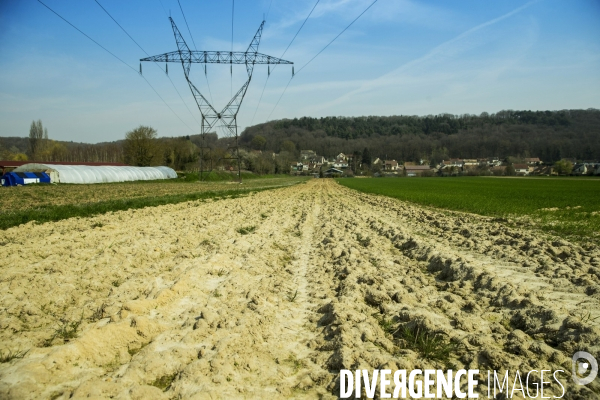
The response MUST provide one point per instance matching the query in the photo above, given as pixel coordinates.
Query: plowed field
(271, 294)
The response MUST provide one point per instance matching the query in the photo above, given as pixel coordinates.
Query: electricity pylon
(228, 115)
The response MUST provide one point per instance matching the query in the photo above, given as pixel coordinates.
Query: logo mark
(579, 368)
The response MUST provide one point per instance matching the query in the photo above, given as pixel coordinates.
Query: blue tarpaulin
(24, 178)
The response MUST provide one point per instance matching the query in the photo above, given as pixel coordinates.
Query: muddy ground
(271, 294)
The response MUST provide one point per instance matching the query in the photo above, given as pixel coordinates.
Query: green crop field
(568, 207)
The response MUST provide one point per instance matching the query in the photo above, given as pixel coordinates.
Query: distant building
(586, 168)
(333, 171)
(453, 162)
(522, 169)
(494, 162)
(298, 167)
(391, 165)
(416, 170)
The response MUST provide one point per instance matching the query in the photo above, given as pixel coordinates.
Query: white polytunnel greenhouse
(98, 173)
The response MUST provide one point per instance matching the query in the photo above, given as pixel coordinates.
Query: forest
(549, 135)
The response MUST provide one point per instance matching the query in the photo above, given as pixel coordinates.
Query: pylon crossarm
(216, 57)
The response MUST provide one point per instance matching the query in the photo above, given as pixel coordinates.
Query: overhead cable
(141, 48)
(268, 10)
(230, 67)
(115, 56)
(286, 49)
(186, 24)
(323, 49)
(163, 7)
(195, 48)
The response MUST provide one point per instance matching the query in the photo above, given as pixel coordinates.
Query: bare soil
(270, 295)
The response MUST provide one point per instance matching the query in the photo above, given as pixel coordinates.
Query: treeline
(15, 148)
(38, 146)
(550, 135)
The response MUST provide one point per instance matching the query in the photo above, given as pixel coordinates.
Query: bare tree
(37, 135)
(141, 147)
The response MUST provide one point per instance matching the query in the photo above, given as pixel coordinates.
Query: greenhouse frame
(85, 174)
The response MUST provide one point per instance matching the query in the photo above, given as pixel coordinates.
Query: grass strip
(565, 207)
(59, 212)
(222, 176)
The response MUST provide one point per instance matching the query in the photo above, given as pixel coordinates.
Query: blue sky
(400, 57)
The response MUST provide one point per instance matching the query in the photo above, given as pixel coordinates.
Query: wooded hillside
(549, 135)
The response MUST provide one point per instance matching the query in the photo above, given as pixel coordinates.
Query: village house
(544, 170)
(450, 167)
(494, 162)
(340, 161)
(390, 165)
(522, 169)
(298, 167)
(586, 168)
(417, 170)
(453, 162)
(532, 161)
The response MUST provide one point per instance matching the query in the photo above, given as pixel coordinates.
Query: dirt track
(177, 297)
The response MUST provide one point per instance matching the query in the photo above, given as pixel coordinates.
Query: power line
(286, 49)
(163, 7)
(231, 69)
(186, 24)
(269, 10)
(339, 34)
(323, 49)
(232, 11)
(112, 54)
(195, 48)
(123, 29)
(141, 48)
(294, 38)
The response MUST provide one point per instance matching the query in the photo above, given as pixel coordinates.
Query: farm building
(97, 174)
(417, 170)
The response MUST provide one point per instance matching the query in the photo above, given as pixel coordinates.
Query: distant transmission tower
(210, 115)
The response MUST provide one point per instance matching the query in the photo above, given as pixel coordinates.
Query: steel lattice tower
(210, 116)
